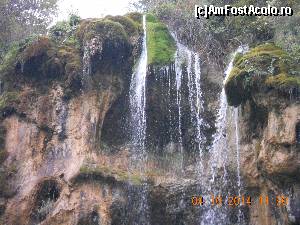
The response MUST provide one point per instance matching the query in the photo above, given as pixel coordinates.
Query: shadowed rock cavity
(298, 133)
(91, 218)
(47, 194)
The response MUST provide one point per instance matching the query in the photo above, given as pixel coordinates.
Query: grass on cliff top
(160, 44)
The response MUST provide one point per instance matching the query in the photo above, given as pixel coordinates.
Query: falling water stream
(191, 60)
(186, 62)
(237, 138)
(138, 102)
(138, 197)
(220, 153)
(178, 71)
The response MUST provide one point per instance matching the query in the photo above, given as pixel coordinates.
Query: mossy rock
(106, 43)
(160, 43)
(135, 16)
(13, 55)
(111, 173)
(131, 27)
(105, 29)
(151, 18)
(38, 60)
(70, 57)
(263, 68)
(8, 99)
(283, 81)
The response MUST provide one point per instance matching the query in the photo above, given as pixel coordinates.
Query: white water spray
(138, 101)
(192, 61)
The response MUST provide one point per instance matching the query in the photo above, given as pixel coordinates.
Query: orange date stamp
(235, 201)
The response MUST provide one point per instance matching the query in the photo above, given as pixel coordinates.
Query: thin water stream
(138, 196)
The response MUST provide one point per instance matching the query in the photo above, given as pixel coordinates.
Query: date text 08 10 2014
(234, 201)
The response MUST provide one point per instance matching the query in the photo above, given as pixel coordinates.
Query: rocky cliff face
(269, 117)
(51, 118)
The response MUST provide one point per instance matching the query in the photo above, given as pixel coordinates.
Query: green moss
(135, 16)
(265, 66)
(265, 50)
(130, 26)
(283, 81)
(12, 56)
(70, 56)
(108, 172)
(3, 155)
(102, 28)
(8, 99)
(38, 61)
(42, 46)
(161, 45)
(151, 18)
(10, 59)
(7, 173)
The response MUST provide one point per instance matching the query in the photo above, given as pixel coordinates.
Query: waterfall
(219, 157)
(178, 71)
(138, 101)
(235, 113)
(237, 138)
(138, 196)
(220, 152)
(192, 61)
(197, 98)
(219, 146)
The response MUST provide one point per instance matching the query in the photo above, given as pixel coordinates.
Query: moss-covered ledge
(111, 174)
(160, 43)
(264, 68)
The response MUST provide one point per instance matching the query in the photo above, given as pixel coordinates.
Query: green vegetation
(19, 19)
(8, 99)
(160, 43)
(13, 53)
(108, 172)
(41, 57)
(130, 26)
(70, 57)
(283, 81)
(64, 31)
(3, 155)
(218, 36)
(265, 66)
(9, 58)
(58, 57)
(105, 29)
(135, 16)
(7, 173)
